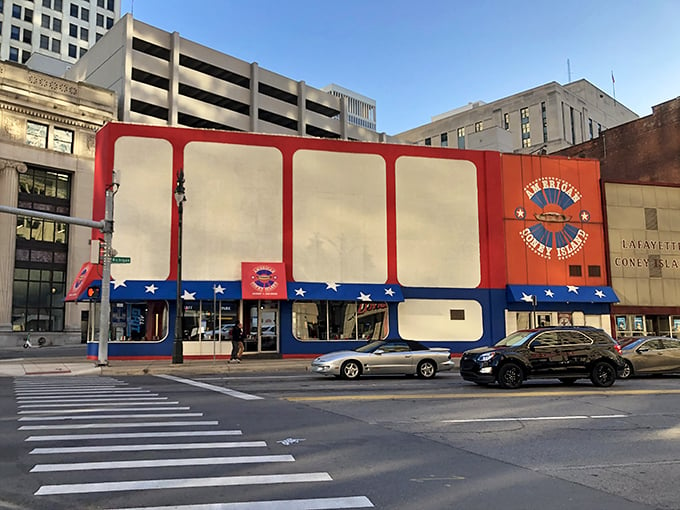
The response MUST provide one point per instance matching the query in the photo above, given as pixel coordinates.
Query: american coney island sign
(554, 230)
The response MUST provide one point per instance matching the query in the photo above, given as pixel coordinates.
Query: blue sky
(422, 59)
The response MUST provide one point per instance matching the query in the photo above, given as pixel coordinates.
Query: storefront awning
(560, 294)
(315, 291)
(89, 273)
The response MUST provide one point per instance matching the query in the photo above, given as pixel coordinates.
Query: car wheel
(627, 371)
(510, 376)
(350, 370)
(603, 374)
(427, 369)
(567, 381)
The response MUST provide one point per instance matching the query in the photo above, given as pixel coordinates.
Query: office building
(47, 164)
(542, 120)
(361, 110)
(56, 29)
(163, 79)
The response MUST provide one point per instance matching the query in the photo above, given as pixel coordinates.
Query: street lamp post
(180, 198)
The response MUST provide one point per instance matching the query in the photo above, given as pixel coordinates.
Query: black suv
(564, 353)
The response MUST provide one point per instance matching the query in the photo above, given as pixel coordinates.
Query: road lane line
(535, 418)
(275, 504)
(211, 387)
(503, 394)
(146, 447)
(133, 435)
(134, 464)
(120, 425)
(180, 483)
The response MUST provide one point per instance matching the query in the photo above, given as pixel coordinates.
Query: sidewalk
(78, 366)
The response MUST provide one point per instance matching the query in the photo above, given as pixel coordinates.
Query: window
(36, 134)
(109, 22)
(428, 141)
(100, 20)
(460, 133)
(72, 51)
(56, 25)
(594, 271)
(28, 15)
(74, 10)
(544, 118)
(56, 45)
(573, 338)
(14, 54)
(83, 51)
(47, 3)
(478, 126)
(73, 30)
(28, 36)
(526, 127)
(63, 140)
(457, 315)
(651, 221)
(58, 5)
(16, 11)
(572, 125)
(45, 21)
(506, 121)
(39, 285)
(85, 14)
(339, 320)
(15, 33)
(590, 128)
(575, 271)
(100, 3)
(445, 139)
(44, 42)
(25, 55)
(84, 34)
(109, 5)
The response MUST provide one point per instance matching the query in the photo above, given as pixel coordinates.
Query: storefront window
(146, 321)
(200, 323)
(339, 320)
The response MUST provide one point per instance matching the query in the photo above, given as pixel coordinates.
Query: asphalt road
(307, 441)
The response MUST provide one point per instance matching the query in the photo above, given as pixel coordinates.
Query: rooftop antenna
(613, 87)
(568, 70)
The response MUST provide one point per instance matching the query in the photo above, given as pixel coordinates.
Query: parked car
(650, 355)
(385, 357)
(564, 353)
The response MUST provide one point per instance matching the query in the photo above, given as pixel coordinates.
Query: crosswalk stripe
(120, 425)
(279, 504)
(100, 410)
(108, 416)
(98, 404)
(134, 435)
(51, 400)
(147, 447)
(181, 483)
(127, 464)
(211, 387)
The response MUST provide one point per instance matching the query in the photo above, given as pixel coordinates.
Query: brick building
(640, 169)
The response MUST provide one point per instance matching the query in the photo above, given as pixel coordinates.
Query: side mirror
(378, 351)
(640, 350)
(534, 344)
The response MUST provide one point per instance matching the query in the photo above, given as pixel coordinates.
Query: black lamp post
(180, 198)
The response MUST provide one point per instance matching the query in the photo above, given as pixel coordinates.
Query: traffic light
(93, 292)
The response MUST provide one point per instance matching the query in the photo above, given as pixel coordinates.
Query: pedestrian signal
(93, 292)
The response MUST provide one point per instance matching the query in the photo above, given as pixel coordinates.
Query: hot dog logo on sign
(554, 233)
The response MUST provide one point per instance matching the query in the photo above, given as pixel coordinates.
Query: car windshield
(514, 339)
(370, 347)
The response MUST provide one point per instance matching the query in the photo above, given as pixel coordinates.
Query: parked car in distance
(566, 353)
(407, 357)
(650, 355)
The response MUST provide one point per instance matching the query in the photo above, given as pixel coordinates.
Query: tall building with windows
(361, 110)
(46, 164)
(164, 79)
(543, 120)
(59, 29)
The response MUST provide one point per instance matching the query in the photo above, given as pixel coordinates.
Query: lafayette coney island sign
(553, 232)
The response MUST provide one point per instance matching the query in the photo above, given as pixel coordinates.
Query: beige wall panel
(151, 64)
(625, 217)
(215, 85)
(339, 217)
(149, 94)
(212, 113)
(437, 215)
(138, 118)
(143, 208)
(233, 211)
(430, 319)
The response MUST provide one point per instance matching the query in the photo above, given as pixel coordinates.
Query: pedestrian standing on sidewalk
(236, 343)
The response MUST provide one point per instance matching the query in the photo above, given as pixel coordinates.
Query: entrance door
(263, 335)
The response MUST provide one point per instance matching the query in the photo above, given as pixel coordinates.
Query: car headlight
(486, 356)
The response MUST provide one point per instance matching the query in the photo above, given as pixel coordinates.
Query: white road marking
(133, 435)
(128, 464)
(98, 404)
(278, 504)
(108, 416)
(120, 425)
(79, 391)
(211, 387)
(101, 410)
(537, 418)
(48, 400)
(147, 447)
(180, 483)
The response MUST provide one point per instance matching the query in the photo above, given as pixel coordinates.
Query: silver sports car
(385, 357)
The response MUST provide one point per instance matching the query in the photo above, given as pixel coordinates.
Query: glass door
(262, 334)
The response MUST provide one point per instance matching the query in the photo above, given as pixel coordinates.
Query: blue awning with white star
(561, 294)
(135, 290)
(315, 291)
